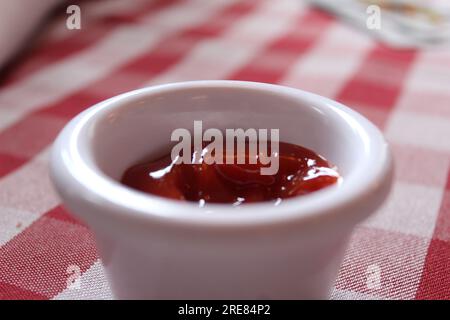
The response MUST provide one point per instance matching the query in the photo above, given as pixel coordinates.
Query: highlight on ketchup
(236, 166)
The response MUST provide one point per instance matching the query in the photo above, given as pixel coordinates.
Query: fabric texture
(402, 252)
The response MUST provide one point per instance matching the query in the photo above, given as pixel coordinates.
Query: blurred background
(388, 59)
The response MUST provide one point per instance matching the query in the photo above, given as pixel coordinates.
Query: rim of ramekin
(87, 183)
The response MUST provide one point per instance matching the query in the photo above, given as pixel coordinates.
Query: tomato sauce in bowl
(300, 172)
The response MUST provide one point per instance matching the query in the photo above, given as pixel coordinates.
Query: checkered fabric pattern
(402, 252)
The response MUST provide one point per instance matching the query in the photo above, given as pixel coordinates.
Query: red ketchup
(300, 172)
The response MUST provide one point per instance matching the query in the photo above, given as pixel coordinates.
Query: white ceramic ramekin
(158, 248)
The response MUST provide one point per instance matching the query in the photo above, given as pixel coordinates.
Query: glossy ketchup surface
(300, 172)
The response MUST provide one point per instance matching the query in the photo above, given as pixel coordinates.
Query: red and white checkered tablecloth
(124, 45)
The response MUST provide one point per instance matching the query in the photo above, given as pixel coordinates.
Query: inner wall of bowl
(128, 133)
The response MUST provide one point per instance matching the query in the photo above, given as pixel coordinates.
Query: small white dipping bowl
(157, 248)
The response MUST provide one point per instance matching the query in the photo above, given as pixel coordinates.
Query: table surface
(402, 252)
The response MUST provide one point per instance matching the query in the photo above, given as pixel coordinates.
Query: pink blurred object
(18, 20)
